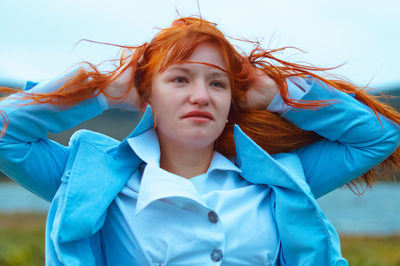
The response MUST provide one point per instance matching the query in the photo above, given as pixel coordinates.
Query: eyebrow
(179, 68)
(188, 71)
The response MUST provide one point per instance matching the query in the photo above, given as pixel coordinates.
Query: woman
(209, 176)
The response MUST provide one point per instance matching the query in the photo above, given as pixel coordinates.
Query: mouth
(199, 115)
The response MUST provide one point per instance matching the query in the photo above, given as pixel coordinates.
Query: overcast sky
(38, 37)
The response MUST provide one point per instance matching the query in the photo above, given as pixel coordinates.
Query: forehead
(208, 53)
(205, 56)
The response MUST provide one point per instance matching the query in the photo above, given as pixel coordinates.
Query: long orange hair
(175, 44)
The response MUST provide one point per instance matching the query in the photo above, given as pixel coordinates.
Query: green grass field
(22, 240)
(22, 243)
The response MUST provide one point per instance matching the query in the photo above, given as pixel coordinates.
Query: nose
(200, 94)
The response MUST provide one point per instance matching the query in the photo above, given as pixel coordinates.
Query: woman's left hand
(261, 91)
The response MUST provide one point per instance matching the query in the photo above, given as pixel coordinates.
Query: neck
(184, 161)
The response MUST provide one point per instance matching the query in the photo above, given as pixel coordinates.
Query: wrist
(297, 88)
(103, 102)
(128, 102)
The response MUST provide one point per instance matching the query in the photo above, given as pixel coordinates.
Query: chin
(198, 140)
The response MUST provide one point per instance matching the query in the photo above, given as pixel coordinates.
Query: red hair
(175, 44)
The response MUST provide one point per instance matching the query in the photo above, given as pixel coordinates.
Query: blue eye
(218, 84)
(179, 79)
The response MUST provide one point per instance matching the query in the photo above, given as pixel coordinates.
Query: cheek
(164, 111)
(225, 104)
(161, 112)
(156, 100)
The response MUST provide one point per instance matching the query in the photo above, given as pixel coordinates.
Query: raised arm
(355, 140)
(26, 155)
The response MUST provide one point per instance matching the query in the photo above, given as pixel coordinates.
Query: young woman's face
(191, 101)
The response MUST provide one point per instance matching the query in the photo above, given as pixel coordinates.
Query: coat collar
(259, 167)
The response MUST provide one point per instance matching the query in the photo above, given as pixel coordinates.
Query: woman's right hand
(118, 88)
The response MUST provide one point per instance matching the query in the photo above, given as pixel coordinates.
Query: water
(377, 212)
(14, 198)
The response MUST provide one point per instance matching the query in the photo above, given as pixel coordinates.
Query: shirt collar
(251, 158)
(157, 183)
(220, 162)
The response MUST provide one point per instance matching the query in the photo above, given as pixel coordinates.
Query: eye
(218, 84)
(179, 80)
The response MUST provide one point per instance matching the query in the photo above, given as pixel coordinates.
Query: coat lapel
(95, 179)
(306, 236)
(259, 167)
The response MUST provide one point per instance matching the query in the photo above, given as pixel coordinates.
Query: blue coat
(82, 179)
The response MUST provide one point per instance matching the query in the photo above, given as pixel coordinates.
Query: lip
(199, 114)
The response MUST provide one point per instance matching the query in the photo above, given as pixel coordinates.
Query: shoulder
(96, 139)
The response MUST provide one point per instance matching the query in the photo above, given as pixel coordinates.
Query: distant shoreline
(24, 242)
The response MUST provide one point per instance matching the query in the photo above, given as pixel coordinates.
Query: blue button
(216, 255)
(213, 217)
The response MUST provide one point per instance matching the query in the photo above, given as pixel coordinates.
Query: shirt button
(213, 217)
(216, 255)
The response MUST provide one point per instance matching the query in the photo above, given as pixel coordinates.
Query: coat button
(216, 255)
(65, 176)
(213, 217)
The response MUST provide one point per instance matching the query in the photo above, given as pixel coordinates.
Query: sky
(39, 37)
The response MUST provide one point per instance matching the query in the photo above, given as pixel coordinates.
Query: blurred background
(39, 40)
